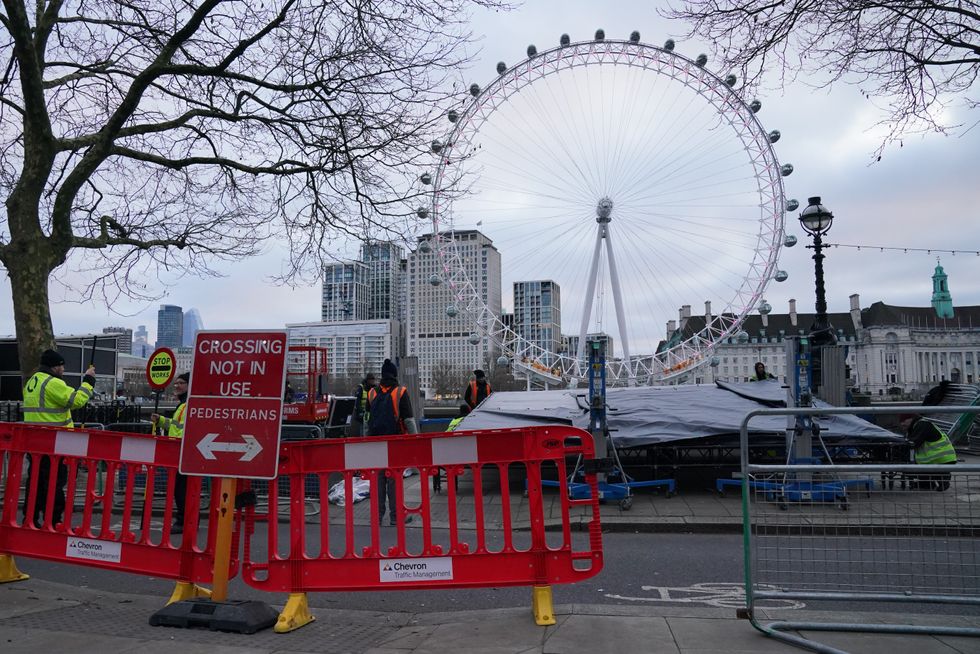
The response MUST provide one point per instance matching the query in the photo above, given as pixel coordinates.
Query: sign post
(234, 405)
(231, 431)
(160, 369)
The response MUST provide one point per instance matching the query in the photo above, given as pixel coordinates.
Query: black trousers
(180, 497)
(43, 474)
(386, 490)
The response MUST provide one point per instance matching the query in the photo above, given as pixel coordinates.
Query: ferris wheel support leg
(589, 295)
(620, 314)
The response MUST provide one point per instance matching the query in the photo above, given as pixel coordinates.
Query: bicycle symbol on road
(717, 594)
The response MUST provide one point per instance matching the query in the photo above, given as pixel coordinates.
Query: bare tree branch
(915, 56)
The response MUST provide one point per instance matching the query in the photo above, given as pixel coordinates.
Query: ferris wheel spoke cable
(506, 180)
(520, 159)
(665, 220)
(677, 246)
(630, 104)
(693, 169)
(670, 254)
(669, 143)
(664, 149)
(534, 134)
(572, 149)
(703, 185)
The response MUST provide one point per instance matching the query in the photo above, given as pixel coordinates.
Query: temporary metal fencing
(109, 519)
(861, 534)
(487, 541)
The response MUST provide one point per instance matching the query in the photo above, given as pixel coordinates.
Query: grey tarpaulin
(650, 415)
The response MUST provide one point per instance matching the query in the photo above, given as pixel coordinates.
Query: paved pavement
(38, 615)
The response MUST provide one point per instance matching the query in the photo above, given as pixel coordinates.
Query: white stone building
(433, 335)
(353, 348)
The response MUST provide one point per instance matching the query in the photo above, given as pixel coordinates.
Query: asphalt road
(702, 570)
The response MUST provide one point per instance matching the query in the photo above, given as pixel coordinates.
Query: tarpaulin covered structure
(653, 415)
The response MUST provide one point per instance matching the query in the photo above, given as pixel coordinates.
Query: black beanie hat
(50, 358)
(186, 376)
(479, 374)
(389, 370)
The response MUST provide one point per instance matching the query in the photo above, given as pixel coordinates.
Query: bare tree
(448, 379)
(148, 136)
(501, 378)
(915, 56)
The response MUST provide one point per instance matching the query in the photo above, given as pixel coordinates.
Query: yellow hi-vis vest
(48, 400)
(936, 452)
(174, 426)
(454, 423)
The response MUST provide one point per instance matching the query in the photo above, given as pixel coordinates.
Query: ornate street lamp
(816, 220)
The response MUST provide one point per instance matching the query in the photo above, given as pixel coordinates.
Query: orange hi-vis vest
(396, 393)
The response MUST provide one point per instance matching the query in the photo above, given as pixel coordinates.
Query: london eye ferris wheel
(634, 180)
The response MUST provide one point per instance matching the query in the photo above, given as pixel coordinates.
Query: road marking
(721, 595)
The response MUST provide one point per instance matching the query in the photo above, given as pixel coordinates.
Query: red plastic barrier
(109, 527)
(466, 538)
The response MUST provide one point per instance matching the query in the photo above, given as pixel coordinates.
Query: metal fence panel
(869, 534)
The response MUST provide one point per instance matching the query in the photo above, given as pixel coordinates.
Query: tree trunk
(29, 270)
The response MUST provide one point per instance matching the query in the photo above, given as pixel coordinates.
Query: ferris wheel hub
(603, 210)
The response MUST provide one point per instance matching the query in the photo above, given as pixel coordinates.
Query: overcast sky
(925, 194)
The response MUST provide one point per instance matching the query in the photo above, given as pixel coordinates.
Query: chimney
(671, 327)
(765, 320)
(707, 312)
(856, 311)
(684, 314)
(792, 312)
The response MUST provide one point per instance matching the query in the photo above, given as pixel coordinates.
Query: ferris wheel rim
(740, 117)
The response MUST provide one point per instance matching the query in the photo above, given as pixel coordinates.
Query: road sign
(234, 405)
(160, 368)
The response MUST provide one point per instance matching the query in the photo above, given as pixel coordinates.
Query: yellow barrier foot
(185, 590)
(295, 614)
(9, 571)
(544, 611)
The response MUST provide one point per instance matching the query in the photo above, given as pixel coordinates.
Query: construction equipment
(305, 398)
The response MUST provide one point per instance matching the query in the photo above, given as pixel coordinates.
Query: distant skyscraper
(537, 314)
(383, 259)
(170, 326)
(345, 292)
(434, 336)
(124, 338)
(141, 345)
(192, 325)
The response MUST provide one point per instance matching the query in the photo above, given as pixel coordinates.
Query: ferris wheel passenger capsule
(781, 276)
(742, 337)
(792, 205)
(422, 213)
(474, 89)
(503, 361)
(765, 308)
(425, 178)
(474, 338)
(531, 50)
(774, 136)
(786, 170)
(730, 80)
(702, 60)
(452, 115)
(755, 105)
(452, 311)
(790, 241)
(424, 247)
(634, 36)
(564, 40)
(715, 360)
(600, 35)
(501, 67)
(436, 147)
(435, 280)
(669, 44)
